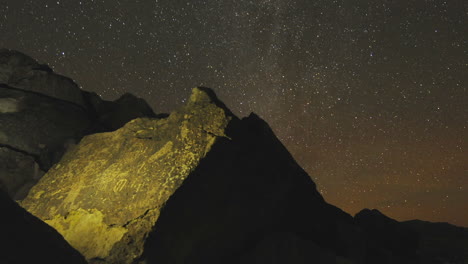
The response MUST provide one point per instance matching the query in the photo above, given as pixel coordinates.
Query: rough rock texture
(20, 71)
(19, 172)
(42, 114)
(240, 189)
(26, 239)
(105, 195)
(36, 127)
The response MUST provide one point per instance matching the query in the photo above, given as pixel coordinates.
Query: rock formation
(243, 204)
(26, 239)
(42, 114)
(241, 188)
(112, 115)
(439, 242)
(197, 186)
(112, 185)
(388, 241)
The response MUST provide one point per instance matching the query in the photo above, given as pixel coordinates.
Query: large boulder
(26, 239)
(200, 186)
(105, 194)
(35, 127)
(20, 71)
(42, 114)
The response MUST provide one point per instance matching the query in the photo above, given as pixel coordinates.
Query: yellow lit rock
(104, 196)
(77, 226)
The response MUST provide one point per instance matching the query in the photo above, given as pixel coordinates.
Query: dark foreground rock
(249, 202)
(26, 239)
(440, 242)
(42, 114)
(390, 241)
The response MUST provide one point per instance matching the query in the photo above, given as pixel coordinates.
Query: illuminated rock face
(200, 186)
(43, 113)
(106, 193)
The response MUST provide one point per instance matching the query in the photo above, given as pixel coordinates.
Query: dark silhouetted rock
(279, 248)
(440, 243)
(26, 239)
(388, 241)
(42, 114)
(243, 193)
(38, 128)
(113, 115)
(19, 172)
(19, 71)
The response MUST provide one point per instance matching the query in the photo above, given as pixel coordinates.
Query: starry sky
(370, 97)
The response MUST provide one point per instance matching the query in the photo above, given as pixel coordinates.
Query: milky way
(370, 97)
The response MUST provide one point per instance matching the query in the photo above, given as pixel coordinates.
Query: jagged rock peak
(203, 95)
(370, 212)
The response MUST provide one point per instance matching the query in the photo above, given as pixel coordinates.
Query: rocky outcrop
(20, 71)
(35, 131)
(42, 114)
(26, 239)
(249, 199)
(105, 195)
(390, 241)
(440, 242)
(199, 186)
(19, 172)
(387, 240)
(112, 115)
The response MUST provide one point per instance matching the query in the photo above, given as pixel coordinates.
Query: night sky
(370, 97)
